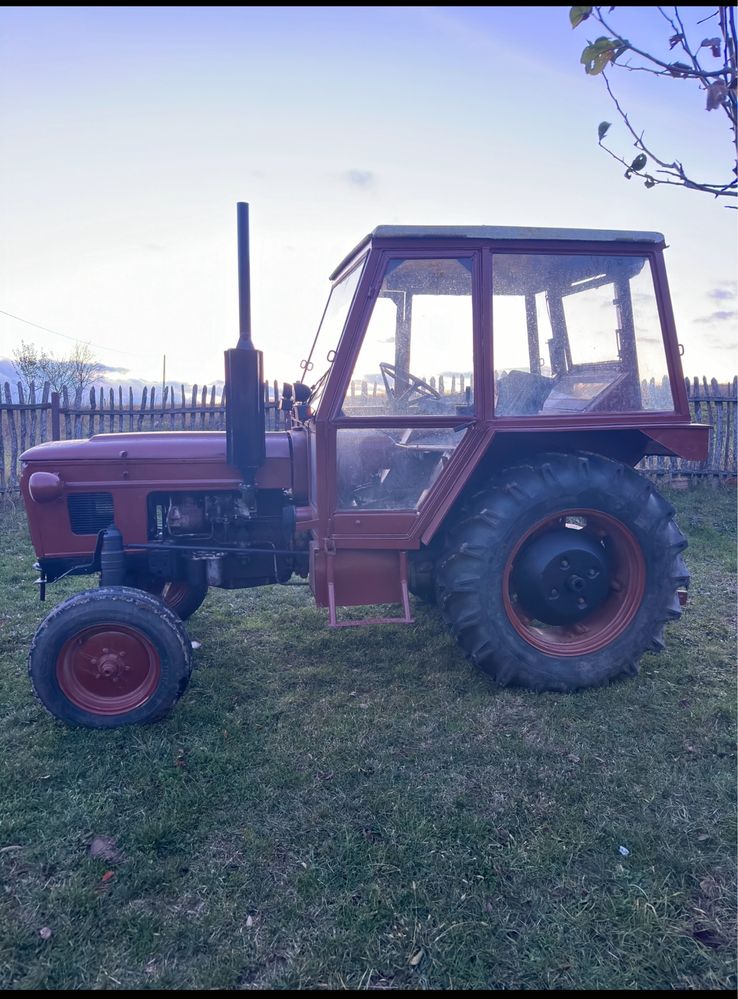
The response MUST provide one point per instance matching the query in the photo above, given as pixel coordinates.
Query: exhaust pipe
(244, 374)
(244, 278)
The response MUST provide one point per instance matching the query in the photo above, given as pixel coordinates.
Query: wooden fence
(37, 416)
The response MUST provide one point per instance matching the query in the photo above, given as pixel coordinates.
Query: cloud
(360, 178)
(721, 316)
(724, 294)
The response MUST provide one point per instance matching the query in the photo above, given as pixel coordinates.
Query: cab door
(401, 422)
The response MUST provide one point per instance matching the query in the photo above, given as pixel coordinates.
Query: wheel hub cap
(562, 576)
(108, 669)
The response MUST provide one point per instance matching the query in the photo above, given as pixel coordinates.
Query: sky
(129, 134)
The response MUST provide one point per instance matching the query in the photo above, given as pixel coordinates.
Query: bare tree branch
(75, 371)
(719, 85)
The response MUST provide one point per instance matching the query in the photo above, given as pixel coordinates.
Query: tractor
(464, 431)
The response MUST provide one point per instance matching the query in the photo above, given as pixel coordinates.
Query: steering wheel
(414, 385)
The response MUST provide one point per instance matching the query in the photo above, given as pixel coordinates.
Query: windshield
(317, 366)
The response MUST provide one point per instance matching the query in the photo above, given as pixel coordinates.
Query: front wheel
(110, 657)
(563, 573)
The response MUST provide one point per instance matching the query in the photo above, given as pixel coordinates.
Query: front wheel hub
(561, 576)
(109, 669)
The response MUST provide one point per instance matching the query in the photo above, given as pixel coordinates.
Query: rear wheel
(110, 657)
(181, 597)
(563, 573)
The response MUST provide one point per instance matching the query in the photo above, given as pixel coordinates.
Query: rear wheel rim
(626, 586)
(175, 594)
(181, 597)
(108, 669)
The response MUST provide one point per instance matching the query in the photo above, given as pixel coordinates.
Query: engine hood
(168, 457)
(176, 445)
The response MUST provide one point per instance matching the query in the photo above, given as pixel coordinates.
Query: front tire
(110, 657)
(562, 573)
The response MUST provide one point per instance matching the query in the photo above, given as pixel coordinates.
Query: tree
(75, 371)
(710, 64)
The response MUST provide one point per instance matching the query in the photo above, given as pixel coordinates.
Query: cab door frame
(399, 529)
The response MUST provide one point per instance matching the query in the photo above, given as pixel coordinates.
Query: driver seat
(521, 393)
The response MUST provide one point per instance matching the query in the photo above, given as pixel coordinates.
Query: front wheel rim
(108, 669)
(626, 586)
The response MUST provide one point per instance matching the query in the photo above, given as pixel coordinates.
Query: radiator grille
(90, 512)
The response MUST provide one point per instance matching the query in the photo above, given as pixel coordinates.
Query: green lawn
(361, 809)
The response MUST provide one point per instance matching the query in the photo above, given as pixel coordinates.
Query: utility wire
(74, 339)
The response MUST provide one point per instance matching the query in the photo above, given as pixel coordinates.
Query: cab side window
(576, 333)
(416, 356)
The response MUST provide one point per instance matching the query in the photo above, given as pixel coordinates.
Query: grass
(361, 809)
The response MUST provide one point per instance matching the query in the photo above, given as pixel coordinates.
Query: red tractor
(465, 429)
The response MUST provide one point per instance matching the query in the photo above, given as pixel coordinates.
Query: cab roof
(501, 234)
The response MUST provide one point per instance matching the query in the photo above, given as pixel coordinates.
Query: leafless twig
(719, 85)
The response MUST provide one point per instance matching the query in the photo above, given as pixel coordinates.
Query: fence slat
(10, 416)
(708, 406)
(22, 420)
(2, 447)
(193, 414)
(33, 415)
(43, 414)
(718, 425)
(93, 408)
(734, 463)
(142, 408)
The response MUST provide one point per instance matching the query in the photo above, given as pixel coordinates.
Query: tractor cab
(435, 340)
(444, 353)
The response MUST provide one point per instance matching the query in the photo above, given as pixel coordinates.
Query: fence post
(55, 417)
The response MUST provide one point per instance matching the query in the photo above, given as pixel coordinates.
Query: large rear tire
(180, 596)
(562, 573)
(110, 657)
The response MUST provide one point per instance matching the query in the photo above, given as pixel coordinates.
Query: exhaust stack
(244, 374)
(244, 278)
